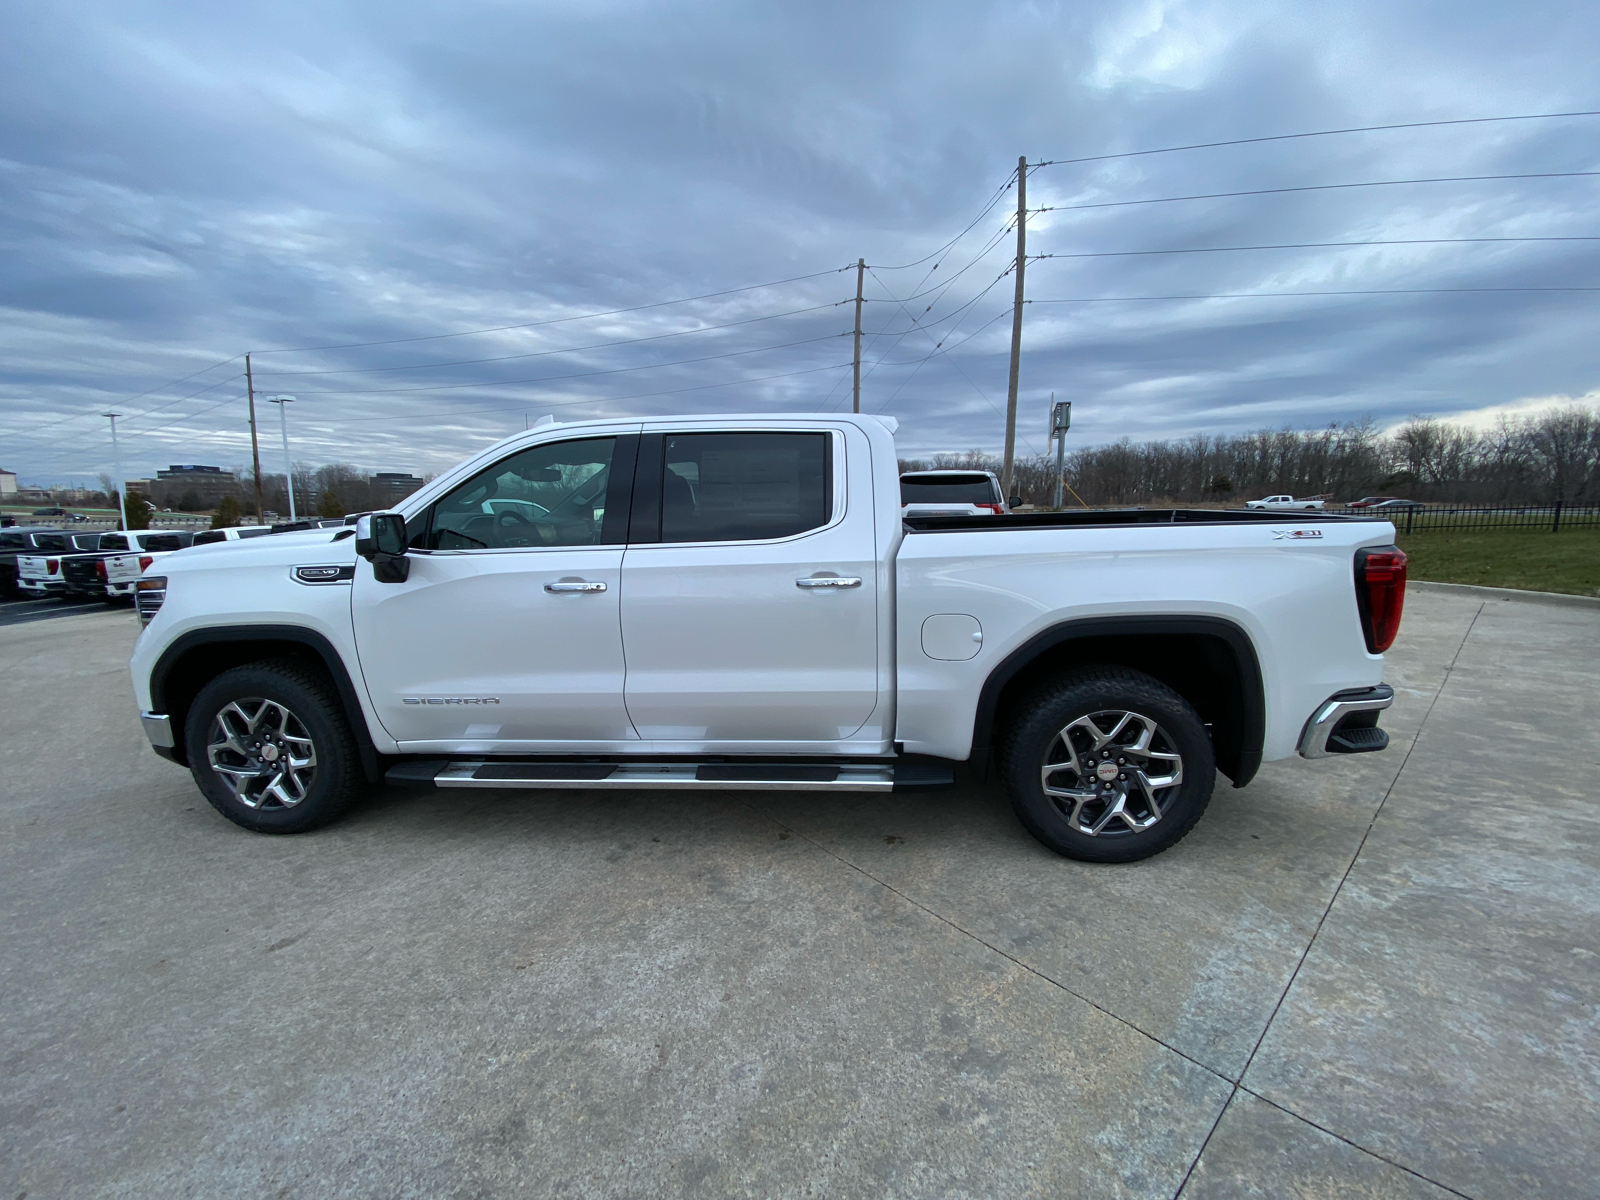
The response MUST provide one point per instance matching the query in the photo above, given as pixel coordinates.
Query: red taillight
(145, 560)
(52, 565)
(996, 509)
(100, 567)
(1380, 594)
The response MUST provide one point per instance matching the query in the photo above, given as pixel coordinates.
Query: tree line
(1541, 459)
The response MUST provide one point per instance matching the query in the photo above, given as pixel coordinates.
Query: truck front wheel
(271, 749)
(1108, 764)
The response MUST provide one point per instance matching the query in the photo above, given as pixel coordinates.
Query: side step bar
(719, 776)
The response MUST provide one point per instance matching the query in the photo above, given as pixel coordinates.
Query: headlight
(148, 593)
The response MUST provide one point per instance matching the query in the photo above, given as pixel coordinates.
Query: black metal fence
(1548, 518)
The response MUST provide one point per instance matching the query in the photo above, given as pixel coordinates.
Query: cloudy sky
(431, 223)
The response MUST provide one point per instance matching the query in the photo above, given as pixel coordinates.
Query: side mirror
(1013, 501)
(381, 540)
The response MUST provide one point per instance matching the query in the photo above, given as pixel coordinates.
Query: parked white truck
(737, 602)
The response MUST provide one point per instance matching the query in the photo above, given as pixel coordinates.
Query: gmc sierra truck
(737, 602)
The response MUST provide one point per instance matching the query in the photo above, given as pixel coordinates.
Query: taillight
(996, 509)
(100, 567)
(148, 595)
(144, 562)
(1380, 594)
(52, 565)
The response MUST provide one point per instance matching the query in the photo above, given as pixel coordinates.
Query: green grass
(1534, 560)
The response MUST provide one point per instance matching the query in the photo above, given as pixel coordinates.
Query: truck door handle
(575, 585)
(829, 581)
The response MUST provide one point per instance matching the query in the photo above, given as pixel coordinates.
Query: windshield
(948, 489)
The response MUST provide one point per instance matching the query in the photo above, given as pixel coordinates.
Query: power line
(1284, 137)
(446, 387)
(142, 395)
(993, 200)
(1317, 187)
(1280, 295)
(520, 404)
(1311, 246)
(467, 362)
(558, 320)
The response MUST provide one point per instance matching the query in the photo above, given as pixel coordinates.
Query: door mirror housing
(1013, 501)
(381, 540)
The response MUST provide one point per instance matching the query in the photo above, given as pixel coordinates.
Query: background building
(390, 486)
(205, 486)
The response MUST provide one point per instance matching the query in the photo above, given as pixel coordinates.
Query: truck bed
(1100, 518)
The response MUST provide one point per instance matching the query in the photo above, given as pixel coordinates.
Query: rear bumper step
(718, 776)
(1347, 723)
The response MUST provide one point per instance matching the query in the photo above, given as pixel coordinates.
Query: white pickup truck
(1283, 503)
(737, 602)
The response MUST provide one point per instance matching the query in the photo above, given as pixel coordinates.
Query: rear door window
(738, 487)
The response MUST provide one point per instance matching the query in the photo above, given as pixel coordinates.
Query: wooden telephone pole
(1016, 324)
(861, 272)
(255, 446)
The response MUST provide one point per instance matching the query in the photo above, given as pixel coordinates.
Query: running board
(720, 776)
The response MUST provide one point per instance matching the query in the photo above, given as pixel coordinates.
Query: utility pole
(1016, 322)
(861, 274)
(116, 465)
(288, 467)
(255, 447)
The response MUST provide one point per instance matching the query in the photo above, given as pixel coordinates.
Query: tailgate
(32, 566)
(125, 568)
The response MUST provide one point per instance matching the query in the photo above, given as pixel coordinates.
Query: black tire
(292, 704)
(1064, 711)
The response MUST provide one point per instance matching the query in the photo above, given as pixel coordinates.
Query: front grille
(148, 595)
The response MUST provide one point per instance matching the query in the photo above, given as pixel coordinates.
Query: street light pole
(288, 467)
(116, 465)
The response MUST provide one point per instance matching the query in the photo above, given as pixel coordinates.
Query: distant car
(232, 534)
(81, 571)
(122, 571)
(1283, 502)
(49, 512)
(18, 541)
(39, 573)
(1398, 504)
(951, 493)
(1369, 501)
(86, 574)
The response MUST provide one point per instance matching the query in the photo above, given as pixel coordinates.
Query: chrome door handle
(829, 581)
(575, 585)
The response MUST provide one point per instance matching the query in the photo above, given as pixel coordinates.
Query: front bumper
(158, 729)
(1347, 723)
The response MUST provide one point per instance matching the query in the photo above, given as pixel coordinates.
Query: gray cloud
(180, 184)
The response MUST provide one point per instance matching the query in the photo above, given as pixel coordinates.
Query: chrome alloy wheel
(1112, 773)
(263, 752)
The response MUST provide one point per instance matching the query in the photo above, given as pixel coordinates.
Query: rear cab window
(973, 488)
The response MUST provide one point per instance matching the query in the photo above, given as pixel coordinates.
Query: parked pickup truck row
(716, 602)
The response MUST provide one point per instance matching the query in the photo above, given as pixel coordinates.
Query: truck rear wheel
(1108, 764)
(270, 747)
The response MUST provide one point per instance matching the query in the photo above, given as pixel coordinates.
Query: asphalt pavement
(1367, 977)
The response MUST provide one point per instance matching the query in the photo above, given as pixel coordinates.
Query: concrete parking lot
(1366, 977)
